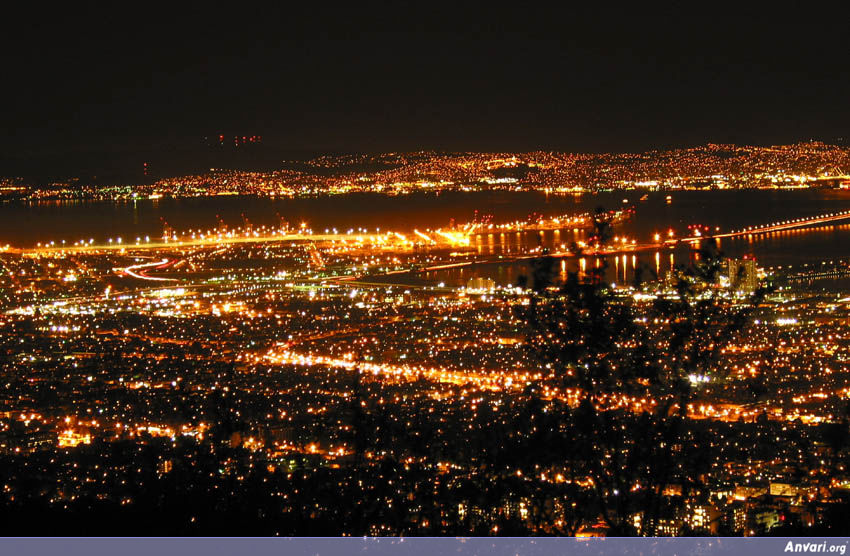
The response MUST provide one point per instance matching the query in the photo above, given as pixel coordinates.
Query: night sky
(87, 82)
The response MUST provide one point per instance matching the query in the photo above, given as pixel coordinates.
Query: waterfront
(26, 224)
(295, 367)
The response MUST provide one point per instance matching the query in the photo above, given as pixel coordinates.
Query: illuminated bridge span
(632, 246)
(459, 236)
(434, 238)
(213, 241)
(777, 226)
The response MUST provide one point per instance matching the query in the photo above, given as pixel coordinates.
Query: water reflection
(27, 224)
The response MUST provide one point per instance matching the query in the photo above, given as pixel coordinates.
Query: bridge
(433, 238)
(634, 246)
(772, 227)
(210, 241)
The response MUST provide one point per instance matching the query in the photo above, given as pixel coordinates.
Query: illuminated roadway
(439, 237)
(207, 242)
(749, 231)
(775, 227)
(396, 239)
(131, 271)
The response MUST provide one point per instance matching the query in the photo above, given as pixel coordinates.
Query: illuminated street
(287, 272)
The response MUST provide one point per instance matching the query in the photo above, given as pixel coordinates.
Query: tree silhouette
(631, 368)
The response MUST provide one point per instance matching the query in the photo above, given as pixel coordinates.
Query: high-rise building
(742, 275)
(480, 284)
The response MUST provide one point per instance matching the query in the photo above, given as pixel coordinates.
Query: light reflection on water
(24, 225)
(787, 248)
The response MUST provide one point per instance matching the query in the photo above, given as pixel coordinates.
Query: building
(480, 284)
(702, 517)
(742, 275)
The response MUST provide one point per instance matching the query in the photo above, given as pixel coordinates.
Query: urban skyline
(373, 272)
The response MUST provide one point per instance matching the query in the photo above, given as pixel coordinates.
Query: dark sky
(90, 80)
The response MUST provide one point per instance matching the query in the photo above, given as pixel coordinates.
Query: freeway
(142, 275)
(776, 226)
(398, 240)
(207, 241)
